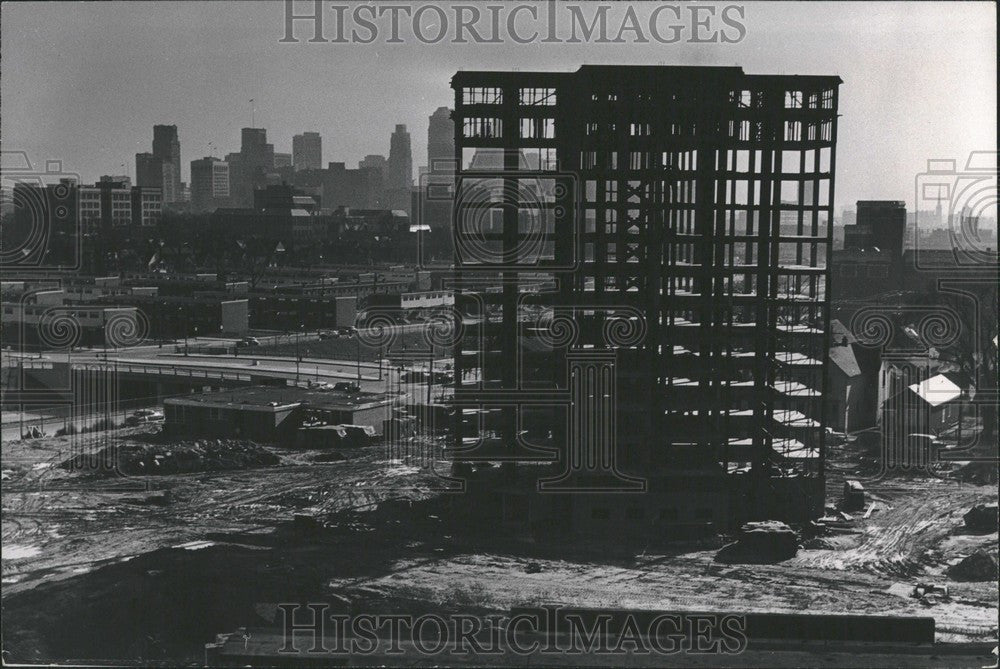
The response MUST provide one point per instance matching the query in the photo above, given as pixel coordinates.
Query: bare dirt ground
(92, 569)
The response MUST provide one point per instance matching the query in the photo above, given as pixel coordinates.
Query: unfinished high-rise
(644, 251)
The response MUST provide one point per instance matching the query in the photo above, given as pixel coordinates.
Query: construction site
(618, 404)
(148, 569)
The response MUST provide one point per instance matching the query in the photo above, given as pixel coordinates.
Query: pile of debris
(982, 518)
(980, 566)
(930, 594)
(760, 543)
(144, 459)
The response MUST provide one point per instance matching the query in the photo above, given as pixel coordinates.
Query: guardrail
(156, 370)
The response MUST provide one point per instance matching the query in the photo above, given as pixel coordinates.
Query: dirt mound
(134, 459)
(983, 473)
(761, 542)
(980, 566)
(982, 518)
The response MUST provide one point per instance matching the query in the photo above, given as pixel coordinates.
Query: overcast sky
(85, 82)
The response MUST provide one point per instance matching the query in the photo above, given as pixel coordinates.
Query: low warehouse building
(271, 413)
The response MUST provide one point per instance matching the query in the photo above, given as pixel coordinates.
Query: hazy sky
(85, 82)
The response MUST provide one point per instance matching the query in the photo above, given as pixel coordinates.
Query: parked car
(144, 416)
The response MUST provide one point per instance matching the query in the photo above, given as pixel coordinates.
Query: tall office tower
(437, 182)
(148, 171)
(167, 147)
(256, 161)
(307, 151)
(209, 184)
(645, 314)
(399, 170)
(879, 224)
(255, 150)
(440, 140)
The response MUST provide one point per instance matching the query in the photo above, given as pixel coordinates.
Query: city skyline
(946, 109)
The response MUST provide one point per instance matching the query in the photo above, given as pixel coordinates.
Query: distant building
(172, 316)
(149, 173)
(282, 160)
(399, 170)
(147, 206)
(881, 225)
(116, 201)
(373, 162)
(307, 151)
(440, 141)
(283, 199)
(280, 215)
(437, 183)
(361, 188)
(871, 261)
(410, 301)
(110, 203)
(32, 320)
(209, 184)
(167, 148)
(250, 169)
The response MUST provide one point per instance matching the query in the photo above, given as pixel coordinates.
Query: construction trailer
(683, 217)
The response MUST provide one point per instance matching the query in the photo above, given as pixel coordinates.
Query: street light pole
(298, 354)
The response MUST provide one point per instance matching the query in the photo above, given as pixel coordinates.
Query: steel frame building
(682, 218)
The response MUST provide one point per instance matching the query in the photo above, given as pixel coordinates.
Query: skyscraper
(167, 147)
(437, 183)
(682, 329)
(149, 171)
(440, 140)
(255, 162)
(307, 151)
(399, 169)
(209, 184)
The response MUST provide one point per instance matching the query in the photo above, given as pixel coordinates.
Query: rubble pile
(761, 542)
(982, 518)
(980, 566)
(144, 459)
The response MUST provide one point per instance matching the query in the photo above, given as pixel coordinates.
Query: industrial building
(684, 215)
(272, 413)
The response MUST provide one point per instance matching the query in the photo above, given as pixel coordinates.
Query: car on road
(144, 416)
(248, 341)
(347, 386)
